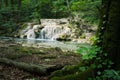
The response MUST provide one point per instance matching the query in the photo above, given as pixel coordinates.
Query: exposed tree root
(32, 68)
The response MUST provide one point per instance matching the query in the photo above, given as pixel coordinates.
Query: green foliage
(82, 68)
(87, 10)
(101, 62)
(111, 74)
(93, 38)
(94, 67)
(27, 10)
(60, 8)
(88, 53)
(107, 74)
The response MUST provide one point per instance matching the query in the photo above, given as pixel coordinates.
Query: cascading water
(42, 34)
(51, 29)
(54, 31)
(46, 34)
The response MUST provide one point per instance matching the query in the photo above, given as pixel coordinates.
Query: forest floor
(30, 55)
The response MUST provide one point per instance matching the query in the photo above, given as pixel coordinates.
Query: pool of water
(71, 46)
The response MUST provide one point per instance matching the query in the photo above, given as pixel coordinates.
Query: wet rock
(63, 39)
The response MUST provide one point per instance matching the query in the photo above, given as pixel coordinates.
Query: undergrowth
(95, 66)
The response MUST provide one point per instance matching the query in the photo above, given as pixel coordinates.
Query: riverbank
(50, 57)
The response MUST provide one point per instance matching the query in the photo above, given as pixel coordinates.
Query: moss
(82, 36)
(76, 75)
(24, 26)
(65, 71)
(26, 49)
(73, 72)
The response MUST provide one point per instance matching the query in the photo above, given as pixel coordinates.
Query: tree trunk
(1, 2)
(108, 31)
(19, 3)
(0, 5)
(68, 7)
(6, 3)
(12, 3)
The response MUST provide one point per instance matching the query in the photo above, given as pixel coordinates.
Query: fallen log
(32, 68)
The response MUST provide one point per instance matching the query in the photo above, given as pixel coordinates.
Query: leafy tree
(61, 8)
(19, 11)
(87, 10)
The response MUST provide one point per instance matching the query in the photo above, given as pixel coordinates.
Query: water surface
(66, 45)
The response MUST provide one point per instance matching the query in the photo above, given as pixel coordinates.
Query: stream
(47, 43)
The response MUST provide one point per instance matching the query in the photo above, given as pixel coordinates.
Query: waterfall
(42, 34)
(30, 31)
(54, 31)
(48, 29)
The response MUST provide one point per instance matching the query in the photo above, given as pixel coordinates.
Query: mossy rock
(30, 50)
(65, 71)
(24, 26)
(76, 75)
(63, 39)
(82, 36)
(73, 72)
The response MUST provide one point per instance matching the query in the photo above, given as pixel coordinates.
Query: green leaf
(93, 66)
(82, 69)
(99, 73)
(99, 66)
